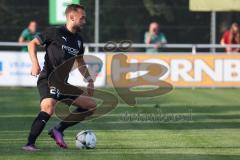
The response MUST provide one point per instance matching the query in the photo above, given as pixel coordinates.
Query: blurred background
(120, 20)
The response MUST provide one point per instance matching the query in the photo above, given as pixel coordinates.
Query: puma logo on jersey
(64, 38)
(70, 50)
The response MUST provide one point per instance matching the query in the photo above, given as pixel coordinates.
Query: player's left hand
(90, 88)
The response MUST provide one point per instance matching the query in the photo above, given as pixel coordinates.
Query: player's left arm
(82, 67)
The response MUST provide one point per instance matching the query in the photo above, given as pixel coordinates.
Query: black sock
(72, 119)
(37, 127)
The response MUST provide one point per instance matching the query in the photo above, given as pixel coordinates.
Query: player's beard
(78, 28)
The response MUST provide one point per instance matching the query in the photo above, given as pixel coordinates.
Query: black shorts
(47, 91)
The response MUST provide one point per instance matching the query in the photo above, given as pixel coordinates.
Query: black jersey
(60, 45)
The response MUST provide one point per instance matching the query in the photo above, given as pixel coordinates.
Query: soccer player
(61, 44)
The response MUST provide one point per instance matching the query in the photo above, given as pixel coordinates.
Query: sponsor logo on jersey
(70, 50)
(65, 39)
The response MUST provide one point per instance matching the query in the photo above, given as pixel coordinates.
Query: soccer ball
(86, 139)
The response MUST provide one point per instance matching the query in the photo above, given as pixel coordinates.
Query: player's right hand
(35, 70)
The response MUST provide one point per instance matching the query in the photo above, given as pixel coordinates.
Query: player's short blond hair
(73, 7)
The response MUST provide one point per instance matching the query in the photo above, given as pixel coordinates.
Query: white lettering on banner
(145, 71)
(163, 63)
(231, 70)
(221, 70)
(201, 67)
(181, 69)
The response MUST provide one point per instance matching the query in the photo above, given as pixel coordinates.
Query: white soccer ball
(86, 139)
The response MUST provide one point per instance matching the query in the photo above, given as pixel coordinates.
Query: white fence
(193, 47)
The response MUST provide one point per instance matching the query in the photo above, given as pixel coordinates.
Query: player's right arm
(32, 50)
(147, 38)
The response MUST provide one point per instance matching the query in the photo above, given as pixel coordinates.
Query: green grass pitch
(208, 130)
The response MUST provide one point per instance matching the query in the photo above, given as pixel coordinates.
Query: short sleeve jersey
(60, 45)
(27, 36)
(159, 38)
(226, 38)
